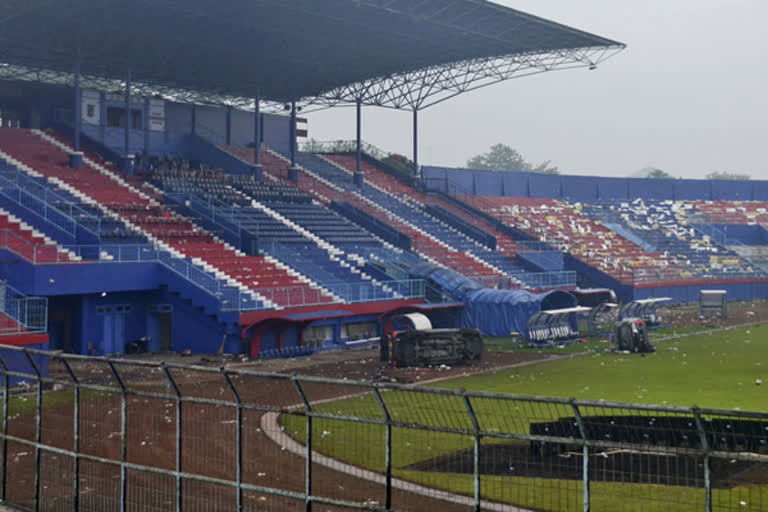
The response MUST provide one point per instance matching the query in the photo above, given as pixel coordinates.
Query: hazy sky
(689, 95)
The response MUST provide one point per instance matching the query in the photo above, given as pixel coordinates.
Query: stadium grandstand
(155, 196)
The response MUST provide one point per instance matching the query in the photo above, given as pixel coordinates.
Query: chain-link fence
(95, 434)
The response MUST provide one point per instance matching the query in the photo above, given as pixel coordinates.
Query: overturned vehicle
(420, 345)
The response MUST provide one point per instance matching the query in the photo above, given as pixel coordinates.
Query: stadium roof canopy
(394, 53)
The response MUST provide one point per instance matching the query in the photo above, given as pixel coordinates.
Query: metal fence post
(238, 438)
(585, 448)
(707, 462)
(123, 434)
(387, 447)
(177, 391)
(76, 437)
(308, 474)
(6, 397)
(38, 425)
(476, 458)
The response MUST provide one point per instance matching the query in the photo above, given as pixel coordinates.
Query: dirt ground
(739, 313)
(209, 435)
(208, 444)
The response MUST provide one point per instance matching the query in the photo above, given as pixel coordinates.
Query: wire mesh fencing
(99, 434)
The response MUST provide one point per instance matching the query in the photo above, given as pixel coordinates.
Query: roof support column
(258, 171)
(76, 157)
(358, 177)
(416, 141)
(127, 156)
(228, 129)
(293, 171)
(147, 134)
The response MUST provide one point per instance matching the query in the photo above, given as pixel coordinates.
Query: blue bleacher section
(225, 205)
(472, 231)
(269, 192)
(372, 224)
(323, 168)
(414, 214)
(326, 224)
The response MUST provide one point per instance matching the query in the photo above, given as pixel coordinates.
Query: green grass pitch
(717, 370)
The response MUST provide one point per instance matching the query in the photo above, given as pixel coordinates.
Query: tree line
(501, 157)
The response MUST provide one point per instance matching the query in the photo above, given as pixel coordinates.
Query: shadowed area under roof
(286, 49)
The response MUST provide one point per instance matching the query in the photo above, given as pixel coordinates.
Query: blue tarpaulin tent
(494, 312)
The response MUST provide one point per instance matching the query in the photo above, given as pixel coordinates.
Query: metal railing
(20, 314)
(529, 280)
(342, 146)
(464, 195)
(229, 297)
(344, 292)
(95, 434)
(50, 205)
(35, 253)
(535, 246)
(677, 273)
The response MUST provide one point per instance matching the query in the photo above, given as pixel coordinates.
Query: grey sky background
(689, 95)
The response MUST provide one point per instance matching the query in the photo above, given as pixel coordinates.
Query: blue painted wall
(736, 291)
(587, 188)
(206, 152)
(97, 330)
(18, 362)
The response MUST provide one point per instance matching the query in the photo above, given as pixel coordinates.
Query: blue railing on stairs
(29, 314)
(51, 206)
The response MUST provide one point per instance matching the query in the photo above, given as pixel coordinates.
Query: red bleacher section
(733, 212)
(15, 334)
(458, 261)
(27, 245)
(505, 244)
(255, 272)
(136, 181)
(9, 325)
(571, 231)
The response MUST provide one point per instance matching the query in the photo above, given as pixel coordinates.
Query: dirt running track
(208, 445)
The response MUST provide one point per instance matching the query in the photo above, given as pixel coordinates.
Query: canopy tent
(495, 312)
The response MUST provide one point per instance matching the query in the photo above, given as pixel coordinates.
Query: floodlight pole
(293, 171)
(358, 178)
(127, 156)
(257, 169)
(76, 158)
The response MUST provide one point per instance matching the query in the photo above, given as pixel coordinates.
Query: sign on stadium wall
(302, 127)
(157, 115)
(91, 107)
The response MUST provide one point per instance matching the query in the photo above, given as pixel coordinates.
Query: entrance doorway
(160, 327)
